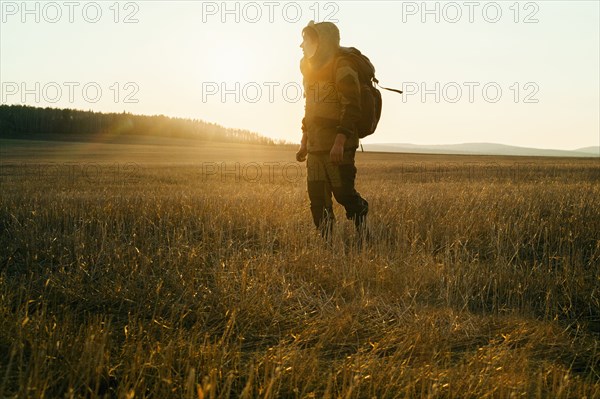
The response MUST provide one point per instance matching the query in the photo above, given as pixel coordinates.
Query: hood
(329, 42)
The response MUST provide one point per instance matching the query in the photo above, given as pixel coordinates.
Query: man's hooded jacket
(332, 97)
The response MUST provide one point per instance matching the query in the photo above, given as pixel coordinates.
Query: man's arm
(348, 88)
(303, 151)
(337, 151)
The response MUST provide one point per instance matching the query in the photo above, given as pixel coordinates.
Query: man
(329, 136)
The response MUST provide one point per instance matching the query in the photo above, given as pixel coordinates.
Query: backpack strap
(336, 60)
(387, 88)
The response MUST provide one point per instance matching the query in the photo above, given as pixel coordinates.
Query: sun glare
(233, 64)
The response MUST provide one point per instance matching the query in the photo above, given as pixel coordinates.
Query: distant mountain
(481, 149)
(590, 150)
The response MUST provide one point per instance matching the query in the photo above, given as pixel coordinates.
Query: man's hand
(301, 154)
(337, 151)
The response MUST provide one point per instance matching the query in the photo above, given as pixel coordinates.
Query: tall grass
(478, 283)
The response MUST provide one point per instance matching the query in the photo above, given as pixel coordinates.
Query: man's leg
(319, 193)
(345, 193)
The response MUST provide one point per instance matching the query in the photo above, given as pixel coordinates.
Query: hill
(590, 150)
(481, 149)
(25, 122)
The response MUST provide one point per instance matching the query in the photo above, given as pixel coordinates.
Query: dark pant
(325, 178)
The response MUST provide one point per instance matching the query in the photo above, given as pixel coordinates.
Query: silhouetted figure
(329, 136)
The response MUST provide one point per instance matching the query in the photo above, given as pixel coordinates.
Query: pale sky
(519, 73)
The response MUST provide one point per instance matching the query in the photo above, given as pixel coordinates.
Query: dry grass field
(188, 271)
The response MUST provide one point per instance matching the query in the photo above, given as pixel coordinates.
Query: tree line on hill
(21, 121)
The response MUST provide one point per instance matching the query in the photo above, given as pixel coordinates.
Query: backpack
(370, 96)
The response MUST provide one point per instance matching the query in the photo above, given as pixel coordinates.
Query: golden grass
(169, 279)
